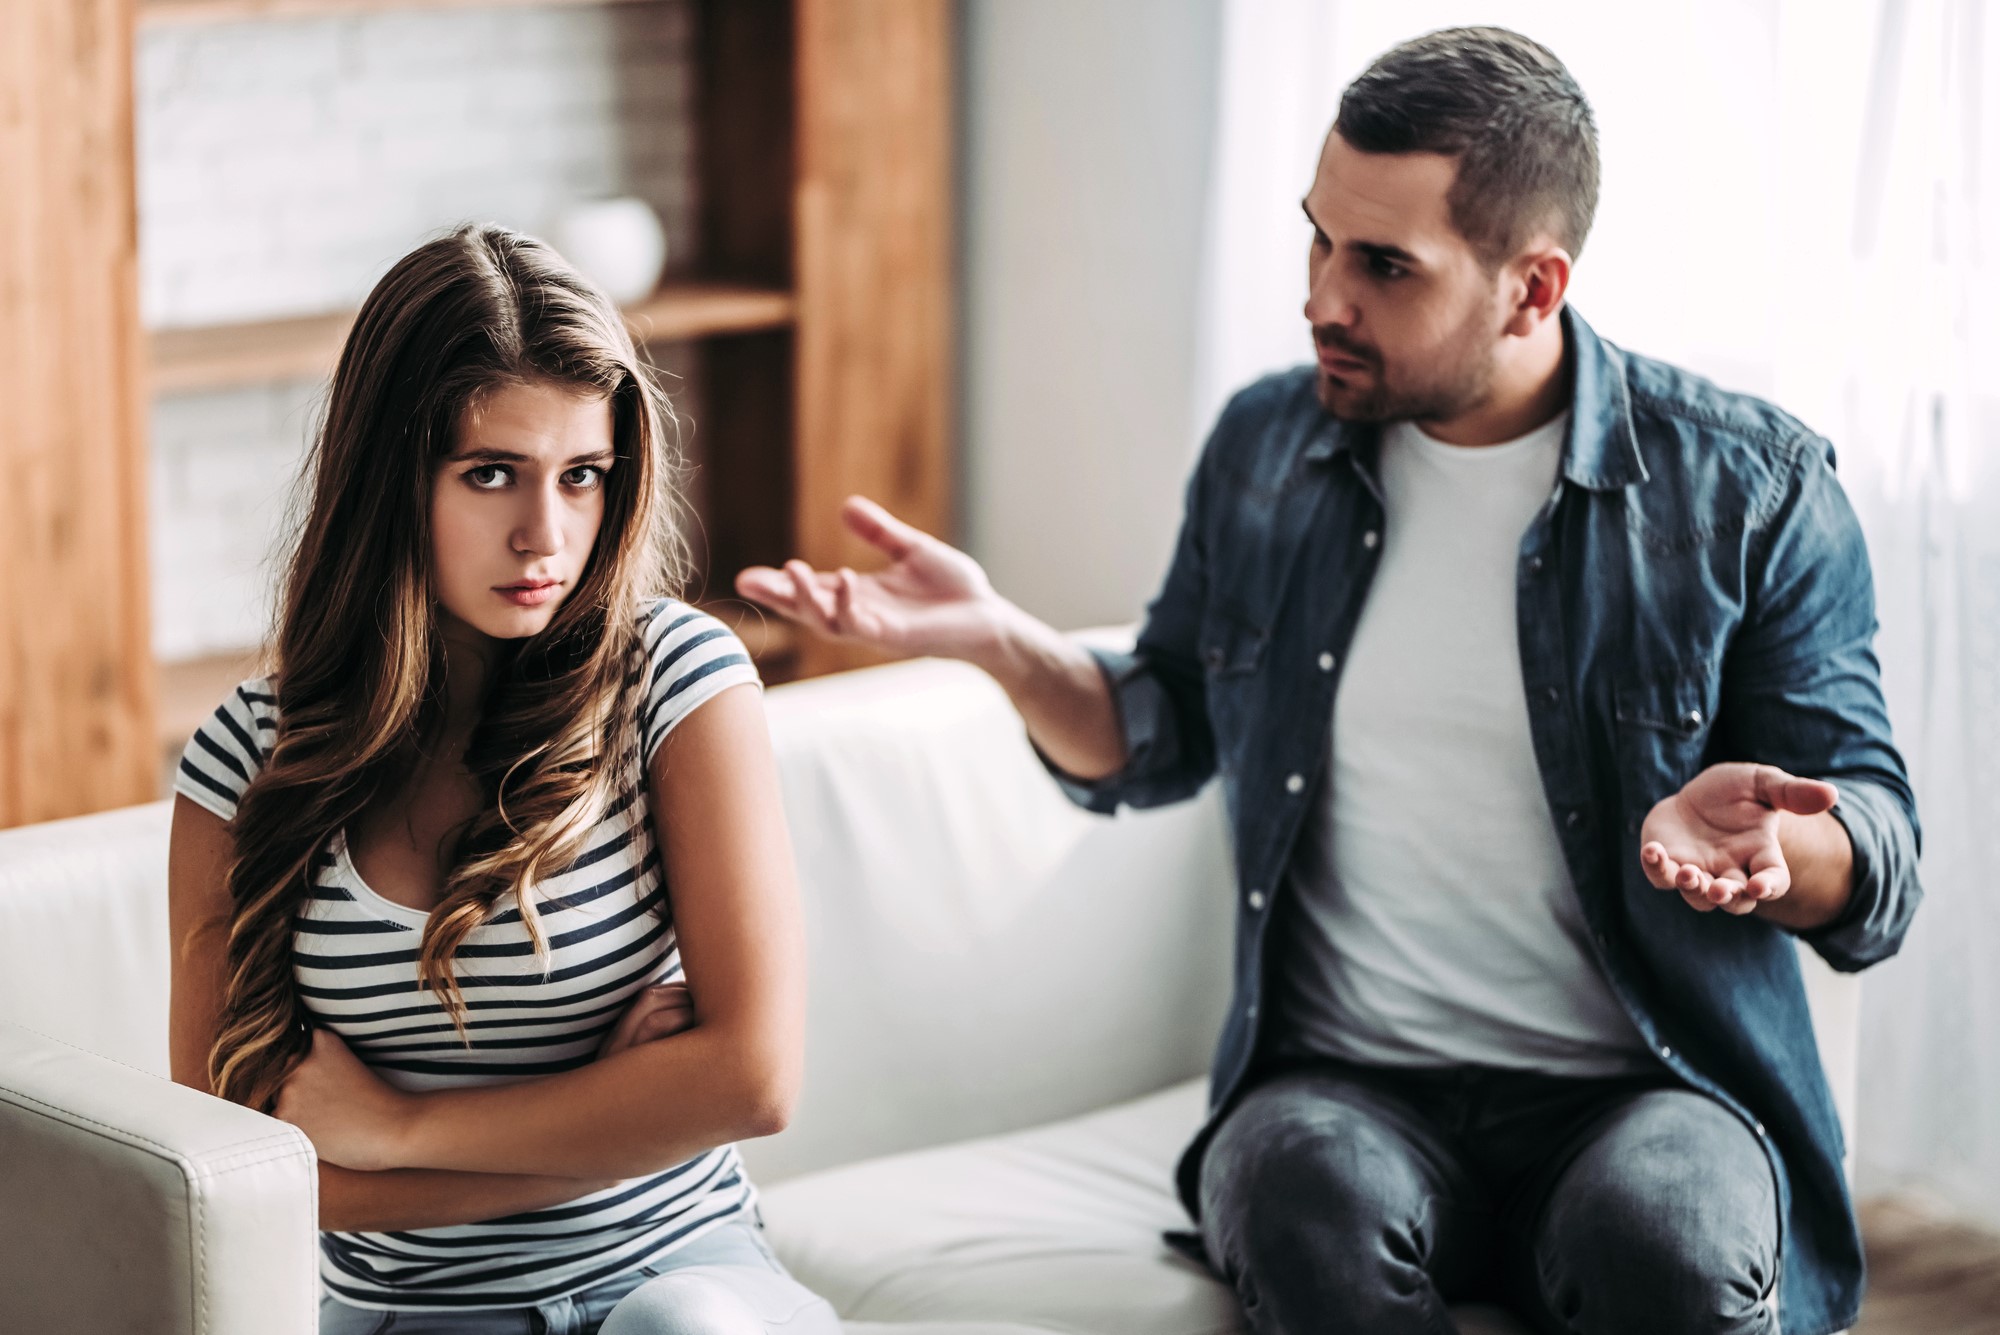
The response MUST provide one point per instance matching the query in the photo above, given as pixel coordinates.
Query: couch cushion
(1057, 1227)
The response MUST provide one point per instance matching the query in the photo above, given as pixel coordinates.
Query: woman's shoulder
(229, 747)
(691, 656)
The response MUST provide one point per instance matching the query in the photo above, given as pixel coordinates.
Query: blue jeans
(724, 1283)
(1349, 1198)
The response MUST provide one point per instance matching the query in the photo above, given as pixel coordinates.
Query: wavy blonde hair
(359, 662)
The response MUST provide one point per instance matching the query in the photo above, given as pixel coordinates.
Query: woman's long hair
(359, 659)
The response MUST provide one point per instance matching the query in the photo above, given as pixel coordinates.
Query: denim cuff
(1885, 893)
(1135, 698)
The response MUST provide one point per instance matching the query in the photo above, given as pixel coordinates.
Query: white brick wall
(284, 164)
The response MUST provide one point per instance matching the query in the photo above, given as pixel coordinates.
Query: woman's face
(516, 507)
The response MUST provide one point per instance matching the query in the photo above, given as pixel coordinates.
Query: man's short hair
(1507, 110)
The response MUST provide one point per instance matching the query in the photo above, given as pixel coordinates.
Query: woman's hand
(660, 1010)
(349, 1114)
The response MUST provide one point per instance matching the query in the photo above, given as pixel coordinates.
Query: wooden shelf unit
(164, 12)
(823, 145)
(224, 356)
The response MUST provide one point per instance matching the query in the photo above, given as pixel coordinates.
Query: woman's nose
(540, 530)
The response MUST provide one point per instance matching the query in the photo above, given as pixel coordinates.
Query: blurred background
(997, 263)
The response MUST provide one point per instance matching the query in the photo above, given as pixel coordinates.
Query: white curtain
(1799, 201)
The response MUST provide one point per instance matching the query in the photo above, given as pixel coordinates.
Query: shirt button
(1553, 696)
(1370, 538)
(1256, 900)
(1691, 721)
(1759, 1126)
(1250, 1011)
(1573, 819)
(1326, 662)
(1295, 783)
(1534, 565)
(1667, 1054)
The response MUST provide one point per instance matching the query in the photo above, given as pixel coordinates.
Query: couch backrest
(984, 956)
(83, 915)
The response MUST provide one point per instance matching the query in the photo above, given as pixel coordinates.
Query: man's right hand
(931, 600)
(934, 600)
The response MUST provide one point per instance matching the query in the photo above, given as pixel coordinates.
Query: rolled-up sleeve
(1168, 753)
(1881, 825)
(1803, 691)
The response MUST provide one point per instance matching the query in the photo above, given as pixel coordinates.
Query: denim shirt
(1695, 590)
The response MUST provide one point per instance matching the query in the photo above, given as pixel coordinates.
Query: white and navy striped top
(610, 932)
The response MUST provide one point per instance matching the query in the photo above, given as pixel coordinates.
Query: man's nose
(1327, 300)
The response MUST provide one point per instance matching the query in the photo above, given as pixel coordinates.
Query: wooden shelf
(700, 310)
(221, 356)
(163, 12)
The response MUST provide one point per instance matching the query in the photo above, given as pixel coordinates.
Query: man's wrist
(1820, 856)
(1010, 651)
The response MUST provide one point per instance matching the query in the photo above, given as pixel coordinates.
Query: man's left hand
(1716, 840)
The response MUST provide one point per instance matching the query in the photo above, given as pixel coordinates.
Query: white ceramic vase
(618, 244)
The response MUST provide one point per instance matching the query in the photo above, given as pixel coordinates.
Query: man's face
(1405, 318)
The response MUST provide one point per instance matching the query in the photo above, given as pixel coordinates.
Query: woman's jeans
(724, 1283)
(1339, 1197)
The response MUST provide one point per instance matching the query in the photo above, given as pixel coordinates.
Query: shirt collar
(1601, 450)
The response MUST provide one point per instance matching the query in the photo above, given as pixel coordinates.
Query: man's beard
(1460, 377)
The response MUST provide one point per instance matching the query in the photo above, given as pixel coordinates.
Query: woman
(435, 881)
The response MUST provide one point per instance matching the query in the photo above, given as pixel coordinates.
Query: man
(1539, 679)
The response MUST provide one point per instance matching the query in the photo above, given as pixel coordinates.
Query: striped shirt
(610, 933)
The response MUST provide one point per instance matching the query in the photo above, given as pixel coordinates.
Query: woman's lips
(530, 595)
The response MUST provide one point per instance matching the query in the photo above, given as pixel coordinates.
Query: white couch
(1013, 1004)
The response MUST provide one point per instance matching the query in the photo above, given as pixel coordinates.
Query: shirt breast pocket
(1665, 724)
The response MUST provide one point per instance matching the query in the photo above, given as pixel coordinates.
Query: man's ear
(1541, 281)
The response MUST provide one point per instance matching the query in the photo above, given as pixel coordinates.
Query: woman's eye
(487, 477)
(585, 475)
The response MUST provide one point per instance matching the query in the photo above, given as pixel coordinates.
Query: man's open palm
(931, 599)
(1716, 840)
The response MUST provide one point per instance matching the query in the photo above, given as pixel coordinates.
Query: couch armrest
(130, 1203)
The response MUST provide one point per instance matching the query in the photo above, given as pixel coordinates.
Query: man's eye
(1383, 267)
(584, 475)
(487, 477)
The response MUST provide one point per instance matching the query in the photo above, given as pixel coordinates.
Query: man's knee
(1668, 1222)
(1308, 1201)
(683, 1304)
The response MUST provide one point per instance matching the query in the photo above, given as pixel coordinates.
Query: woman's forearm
(637, 1111)
(357, 1202)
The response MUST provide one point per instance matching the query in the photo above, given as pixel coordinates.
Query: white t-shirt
(1432, 921)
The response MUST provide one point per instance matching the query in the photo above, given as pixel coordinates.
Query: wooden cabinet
(823, 311)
